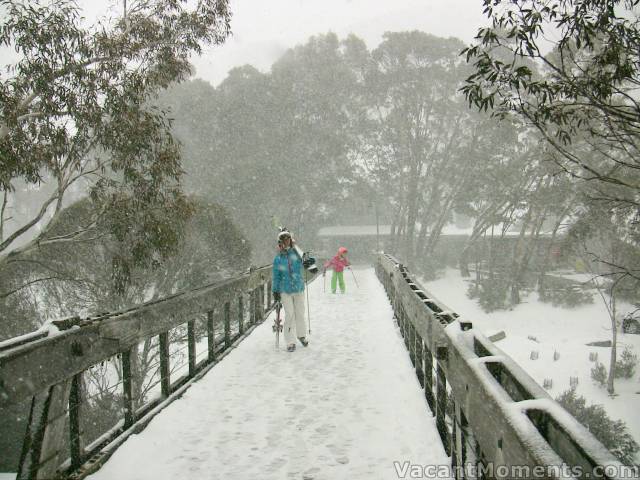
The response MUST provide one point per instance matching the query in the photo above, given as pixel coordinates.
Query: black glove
(308, 262)
(276, 296)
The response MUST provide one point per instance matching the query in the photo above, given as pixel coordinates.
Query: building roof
(370, 230)
(353, 230)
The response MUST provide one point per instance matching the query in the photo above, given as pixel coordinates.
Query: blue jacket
(287, 272)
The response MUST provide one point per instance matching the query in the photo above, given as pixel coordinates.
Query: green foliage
(491, 293)
(102, 273)
(579, 97)
(566, 295)
(626, 364)
(76, 115)
(612, 433)
(276, 144)
(599, 374)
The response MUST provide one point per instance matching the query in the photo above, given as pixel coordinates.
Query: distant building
(363, 241)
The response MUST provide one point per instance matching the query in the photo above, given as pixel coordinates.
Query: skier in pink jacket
(337, 264)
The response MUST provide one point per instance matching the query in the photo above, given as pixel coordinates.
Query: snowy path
(346, 407)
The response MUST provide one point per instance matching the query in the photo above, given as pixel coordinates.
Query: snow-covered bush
(563, 293)
(491, 294)
(612, 433)
(570, 297)
(599, 374)
(626, 364)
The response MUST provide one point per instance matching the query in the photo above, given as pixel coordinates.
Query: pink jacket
(337, 263)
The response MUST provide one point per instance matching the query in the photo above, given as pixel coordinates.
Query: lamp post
(375, 203)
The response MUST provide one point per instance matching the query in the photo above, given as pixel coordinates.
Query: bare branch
(43, 210)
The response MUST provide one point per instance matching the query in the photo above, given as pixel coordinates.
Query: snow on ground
(565, 330)
(346, 407)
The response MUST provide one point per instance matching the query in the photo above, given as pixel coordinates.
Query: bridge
(393, 385)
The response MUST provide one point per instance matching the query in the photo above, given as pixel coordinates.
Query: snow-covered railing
(494, 420)
(46, 368)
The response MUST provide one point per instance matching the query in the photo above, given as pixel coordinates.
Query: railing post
(165, 372)
(468, 444)
(261, 302)
(428, 378)
(211, 336)
(412, 343)
(455, 460)
(45, 433)
(405, 327)
(257, 305)
(227, 324)
(419, 360)
(441, 399)
(240, 315)
(252, 307)
(458, 440)
(127, 388)
(75, 400)
(191, 343)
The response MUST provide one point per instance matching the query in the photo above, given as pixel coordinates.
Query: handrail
(85, 342)
(46, 366)
(492, 417)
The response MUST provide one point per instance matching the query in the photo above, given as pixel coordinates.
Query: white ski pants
(295, 323)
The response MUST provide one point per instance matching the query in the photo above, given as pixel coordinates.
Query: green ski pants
(339, 278)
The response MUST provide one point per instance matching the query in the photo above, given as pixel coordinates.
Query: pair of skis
(277, 323)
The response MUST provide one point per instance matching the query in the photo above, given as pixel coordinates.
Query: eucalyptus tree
(66, 280)
(581, 95)
(76, 120)
(316, 87)
(419, 121)
(195, 107)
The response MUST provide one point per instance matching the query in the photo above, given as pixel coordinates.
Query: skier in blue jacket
(288, 288)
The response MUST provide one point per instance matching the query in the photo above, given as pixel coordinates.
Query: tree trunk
(614, 344)
(482, 223)
(412, 207)
(518, 254)
(436, 231)
(547, 258)
(530, 247)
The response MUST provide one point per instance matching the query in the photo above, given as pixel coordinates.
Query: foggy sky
(264, 30)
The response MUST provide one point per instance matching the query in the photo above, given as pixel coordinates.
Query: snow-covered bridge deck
(347, 406)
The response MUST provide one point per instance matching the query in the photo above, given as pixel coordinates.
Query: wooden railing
(48, 369)
(494, 420)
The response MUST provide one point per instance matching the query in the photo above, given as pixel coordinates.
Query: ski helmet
(342, 251)
(284, 233)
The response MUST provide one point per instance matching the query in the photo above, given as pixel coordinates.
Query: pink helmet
(342, 251)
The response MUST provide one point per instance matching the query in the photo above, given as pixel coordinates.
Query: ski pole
(306, 281)
(354, 277)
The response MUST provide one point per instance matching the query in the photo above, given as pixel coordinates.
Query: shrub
(492, 294)
(626, 364)
(599, 374)
(612, 433)
(570, 297)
